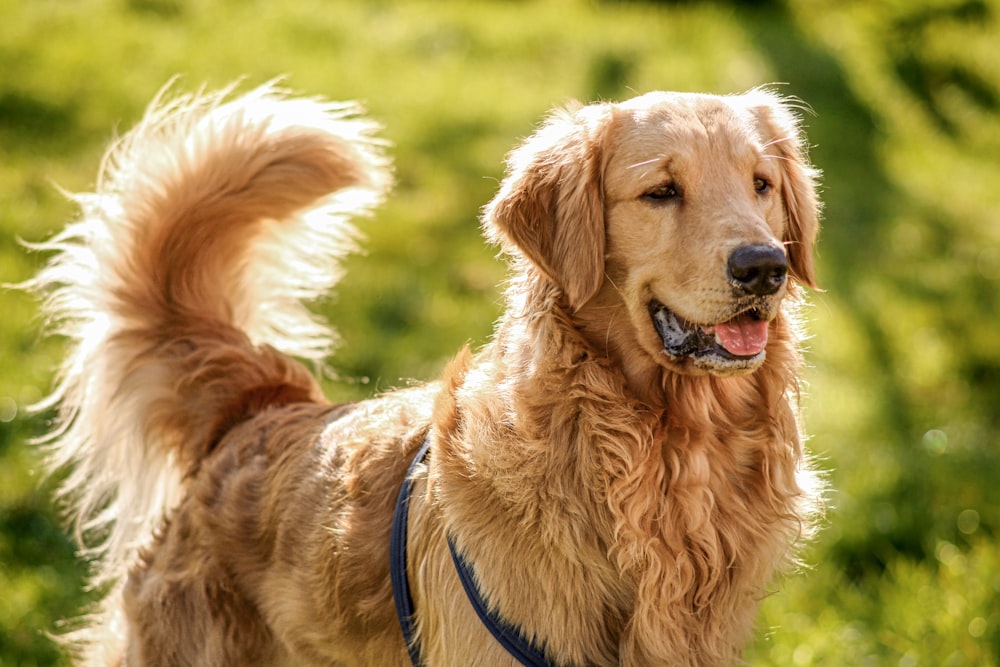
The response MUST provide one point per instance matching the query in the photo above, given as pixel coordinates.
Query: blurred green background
(903, 401)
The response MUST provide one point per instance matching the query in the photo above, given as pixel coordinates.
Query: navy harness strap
(507, 635)
(397, 558)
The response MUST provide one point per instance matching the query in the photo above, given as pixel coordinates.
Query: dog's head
(690, 213)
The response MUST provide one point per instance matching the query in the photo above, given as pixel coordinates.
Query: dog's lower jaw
(721, 367)
(648, 370)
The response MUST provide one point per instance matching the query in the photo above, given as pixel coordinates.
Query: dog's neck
(661, 512)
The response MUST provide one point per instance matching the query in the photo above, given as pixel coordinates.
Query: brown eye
(663, 192)
(761, 185)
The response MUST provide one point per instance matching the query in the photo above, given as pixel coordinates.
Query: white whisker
(778, 157)
(644, 163)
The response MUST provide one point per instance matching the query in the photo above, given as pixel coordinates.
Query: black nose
(758, 269)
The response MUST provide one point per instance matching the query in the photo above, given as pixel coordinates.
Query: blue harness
(509, 636)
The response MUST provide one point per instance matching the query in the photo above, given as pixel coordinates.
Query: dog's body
(621, 464)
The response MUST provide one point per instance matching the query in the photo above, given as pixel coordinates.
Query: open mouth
(741, 339)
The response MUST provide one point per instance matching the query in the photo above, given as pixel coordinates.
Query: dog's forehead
(689, 115)
(664, 126)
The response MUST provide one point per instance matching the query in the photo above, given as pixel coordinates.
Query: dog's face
(672, 222)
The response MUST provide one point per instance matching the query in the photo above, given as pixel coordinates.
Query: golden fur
(622, 505)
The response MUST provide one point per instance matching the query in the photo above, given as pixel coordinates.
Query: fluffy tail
(183, 278)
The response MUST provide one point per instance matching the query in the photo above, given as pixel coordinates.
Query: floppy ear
(550, 207)
(798, 184)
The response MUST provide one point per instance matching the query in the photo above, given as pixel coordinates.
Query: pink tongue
(743, 336)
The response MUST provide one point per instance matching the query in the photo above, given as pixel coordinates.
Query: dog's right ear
(550, 207)
(798, 185)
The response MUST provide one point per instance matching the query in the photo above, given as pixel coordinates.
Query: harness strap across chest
(509, 636)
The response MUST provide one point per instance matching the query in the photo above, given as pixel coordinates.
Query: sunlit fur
(620, 506)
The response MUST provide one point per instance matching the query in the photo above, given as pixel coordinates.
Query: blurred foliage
(905, 354)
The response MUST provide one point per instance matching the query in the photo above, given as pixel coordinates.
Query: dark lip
(682, 338)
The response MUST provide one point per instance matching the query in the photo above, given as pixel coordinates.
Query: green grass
(905, 356)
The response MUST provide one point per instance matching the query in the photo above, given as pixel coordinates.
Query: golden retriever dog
(620, 467)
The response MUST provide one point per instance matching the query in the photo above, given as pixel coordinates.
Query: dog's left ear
(550, 207)
(780, 128)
